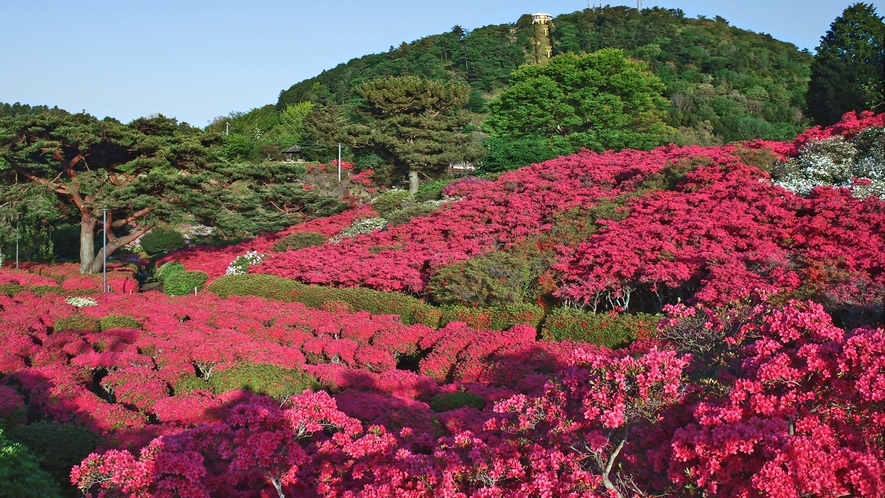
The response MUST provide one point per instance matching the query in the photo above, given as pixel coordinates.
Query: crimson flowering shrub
(802, 412)
(781, 383)
(25, 279)
(849, 126)
(496, 213)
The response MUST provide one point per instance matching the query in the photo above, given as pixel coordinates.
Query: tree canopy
(413, 123)
(848, 72)
(597, 101)
(77, 166)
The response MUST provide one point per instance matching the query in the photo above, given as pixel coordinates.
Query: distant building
(291, 151)
(541, 18)
(461, 168)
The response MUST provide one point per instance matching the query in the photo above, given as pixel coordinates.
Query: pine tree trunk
(87, 243)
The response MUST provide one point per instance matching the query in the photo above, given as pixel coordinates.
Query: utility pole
(339, 163)
(104, 249)
(17, 225)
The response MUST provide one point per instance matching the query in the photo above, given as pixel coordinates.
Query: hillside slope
(724, 83)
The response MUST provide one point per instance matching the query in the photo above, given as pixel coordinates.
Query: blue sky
(196, 59)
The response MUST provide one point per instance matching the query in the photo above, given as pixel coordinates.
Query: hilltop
(724, 83)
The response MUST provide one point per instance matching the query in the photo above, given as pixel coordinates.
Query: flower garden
(695, 330)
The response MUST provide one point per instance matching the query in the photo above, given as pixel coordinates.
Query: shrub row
(496, 318)
(410, 309)
(605, 329)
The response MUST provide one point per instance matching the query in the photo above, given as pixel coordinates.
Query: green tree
(414, 123)
(599, 101)
(848, 72)
(77, 166)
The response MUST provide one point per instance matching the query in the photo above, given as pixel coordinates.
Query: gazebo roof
(292, 150)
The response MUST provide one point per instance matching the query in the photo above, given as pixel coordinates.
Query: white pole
(339, 162)
(17, 226)
(104, 249)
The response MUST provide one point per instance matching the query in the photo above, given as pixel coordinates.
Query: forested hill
(724, 83)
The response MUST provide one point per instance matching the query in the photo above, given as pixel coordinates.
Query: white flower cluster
(240, 266)
(859, 165)
(359, 227)
(81, 302)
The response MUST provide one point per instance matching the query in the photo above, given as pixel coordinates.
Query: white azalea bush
(240, 265)
(81, 302)
(359, 227)
(858, 164)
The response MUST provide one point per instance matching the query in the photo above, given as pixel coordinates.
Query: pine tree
(414, 123)
(848, 72)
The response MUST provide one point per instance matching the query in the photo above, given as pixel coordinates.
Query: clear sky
(197, 59)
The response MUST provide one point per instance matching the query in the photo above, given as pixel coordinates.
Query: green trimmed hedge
(42, 290)
(410, 309)
(117, 322)
(452, 401)
(299, 240)
(77, 321)
(261, 378)
(184, 282)
(10, 289)
(161, 240)
(497, 318)
(603, 329)
(389, 201)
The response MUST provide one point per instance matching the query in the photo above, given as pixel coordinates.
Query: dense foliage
(848, 72)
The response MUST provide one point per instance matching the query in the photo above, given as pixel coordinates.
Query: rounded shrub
(299, 240)
(10, 289)
(389, 201)
(431, 191)
(415, 211)
(452, 401)
(21, 475)
(263, 378)
(161, 240)
(184, 282)
(492, 279)
(42, 290)
(167, 269)
(58, 447)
